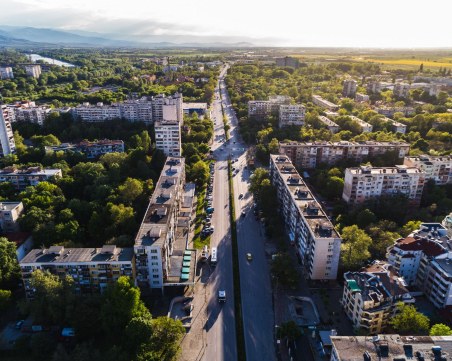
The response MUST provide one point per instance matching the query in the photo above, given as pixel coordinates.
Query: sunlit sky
(338, 23)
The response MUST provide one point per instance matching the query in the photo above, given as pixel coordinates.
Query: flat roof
(398, 169)
(194, 106)
(9, 206)
(344, 143)
(29, 171)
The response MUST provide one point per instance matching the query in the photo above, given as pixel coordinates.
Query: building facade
(370, 296)
(9, 214)
(331, 126)
(6, 73)
(438, 168)
(261, 109)
(365, 127)
(366, 183)
(311, 154)
(168, 137)
(349, 87)
(318, 100)
(288, 61)
(33, 70)
(317, 242)
(291, 114)
(29, 112)
(32, 176)
(374, 87)
(92, 269)
(359, 97)
(7, 143)
(154, 243)
(96, 149)
(401, 90)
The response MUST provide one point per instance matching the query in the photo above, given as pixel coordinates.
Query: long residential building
(386, 347)
(370, 296)
(261, 109)
(438, 168)
(91, 149)
(365, 183)
(29, 112)
(390, 111)
(33, 70)
(6, 72)
(291, 114)
(318, 100)
(401, 90)
(317, 242)
(22, 178)
(424, 259)
(396, 126)
(365, 127)
(349, 88)
(331, 126)
(92, 269)
(311, 154)
(7, 143)
(155, 243)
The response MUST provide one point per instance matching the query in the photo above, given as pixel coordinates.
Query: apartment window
(153, 251)
(154, 263)
(154, 257)
(155, 282)
(155, 270)
(155, 276)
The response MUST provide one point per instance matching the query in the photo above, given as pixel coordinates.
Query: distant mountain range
(14, 36)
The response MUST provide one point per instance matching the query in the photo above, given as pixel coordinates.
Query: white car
(222, 296)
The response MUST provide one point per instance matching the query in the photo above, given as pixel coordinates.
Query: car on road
(19, 324)
(241, 196)
(221, 296)
(249, 256)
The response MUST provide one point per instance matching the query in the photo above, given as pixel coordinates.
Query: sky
(317, 23)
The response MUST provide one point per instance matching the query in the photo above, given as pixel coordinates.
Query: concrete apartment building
(396, 126)
(261, 109)
(438, 168)
(91, 149)
(199, 108)
(425, 259)
(311, 154)
(9, 214)
(390, 347)
(287, 61)
(6, 73)
(7, 143)
(374, 87)
(390, 111)
(292, 114)
(92, 269)
(370, 296)
(317, 242)
(22, 178)
(157, 248)
(365, 127)
(401, 90)
(33, 70)
(359, 97)
(318, 100)
(29, 112)
(366, 183)
(96, 113)
(331, 126)
(349, 87)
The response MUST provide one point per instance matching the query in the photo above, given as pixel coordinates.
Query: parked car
(249, 256)
(241, 196)
(19, 324)
(222, 296)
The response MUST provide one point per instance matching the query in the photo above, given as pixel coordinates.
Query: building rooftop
(154, 226)
(327, 121)
(392, 348)
(62, 255)
(8, 206)
(430, 159)
(308, 206)
(327, 102)
(29, 171)
(194, 106)
(345, 143)
(398, 169)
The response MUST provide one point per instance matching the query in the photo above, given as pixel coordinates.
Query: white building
(365, 183)
(292, 114)
(438, 168)
(331, 126)
(6, 73)
(365, 127)
(7, 143)
(156, 238)
(370, 297)
(374, 87)
(33, 70)
(29, 112)
(318, 100)
(390, 111)
(261, 109)
(396, 126)
(96, 113)
(359, 97)
(401, 90)
(22, 178)
(9, 214)
(168, 137)
(349, 88)
(317, 242)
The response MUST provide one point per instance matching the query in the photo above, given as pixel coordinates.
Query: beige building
(29, 112)
(261, 109)
(359, 97)
(291, 114)
(374, 87)
(92, 269)
(7, 143)
(365, 127)
(168, 137)
(365, 183)
(9, 214)
(6, 73)
(317, 242)
(402, 90)
(370, 297)
(311, 154)
(438, 168)
(349, 88)
(318, 100)
(331, 126)
(22, 178)
(33, 70)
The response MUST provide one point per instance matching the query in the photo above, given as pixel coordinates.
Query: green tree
(5, 299)
(42, 346)
(199, 173)
(9, 267)
(289, 330)
(408, 321)
(440, 329)
(130, 190)
(284, 270)
(355, 247)
(273, 146)
(409, 227)
(138, 332)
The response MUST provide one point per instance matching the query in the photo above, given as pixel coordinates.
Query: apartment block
(401, 90)
(156, 241)
(349, 88)
(198, 108)
(331, 126)
(168, 137)
(292, 114)
(359, 97)
(96, 149)
(96, 113)
(7, 143)
(365, 127)
(136, 110)
(438, 168)
(32, 176)
(168, 107)
(396, 126)
(9, 214)
(365, 183)
(318, 100)
(261, 109)
(288, 61)
(311, 154)
(374, 87)
(33, 70)
(29, 112)
(317, 242)
(390, 347)
(388, 111)
(92, 269)
(6, 73)
(370, 296)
